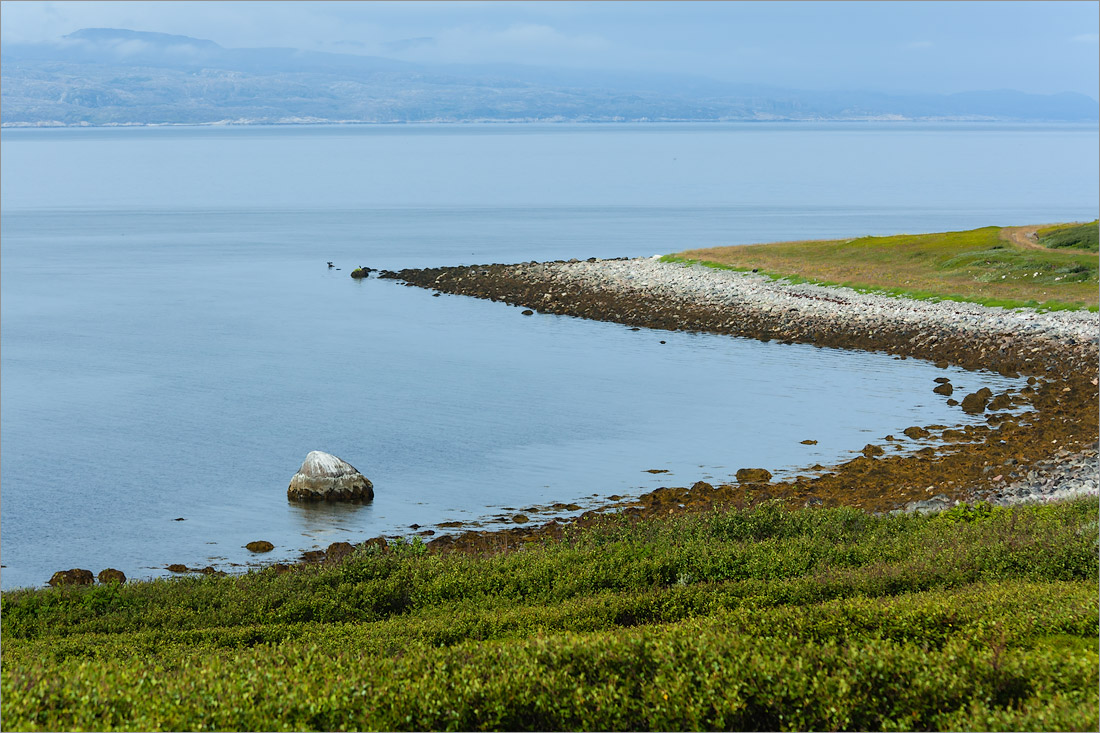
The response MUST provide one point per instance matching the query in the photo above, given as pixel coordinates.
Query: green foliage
(1072, 236)
(765, 618)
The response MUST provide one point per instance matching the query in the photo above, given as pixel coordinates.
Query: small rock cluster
(79, 576)
(1066, 475)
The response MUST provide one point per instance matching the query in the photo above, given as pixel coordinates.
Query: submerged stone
(324, 477)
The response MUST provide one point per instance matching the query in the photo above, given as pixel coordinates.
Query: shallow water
(173, 343)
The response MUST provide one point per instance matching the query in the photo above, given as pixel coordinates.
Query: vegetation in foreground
(978, 618)
(979, 266)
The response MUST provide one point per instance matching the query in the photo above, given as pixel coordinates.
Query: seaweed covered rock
(324, 477)
(753, 475)
(975, 402)
(111, 575)
(76, 576)
(337, 551)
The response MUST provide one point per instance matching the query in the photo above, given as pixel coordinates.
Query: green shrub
(1073, 236)
(764, 618)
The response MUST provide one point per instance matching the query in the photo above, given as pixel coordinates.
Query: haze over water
(173, 343)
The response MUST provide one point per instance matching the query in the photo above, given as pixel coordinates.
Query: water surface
(173, 343)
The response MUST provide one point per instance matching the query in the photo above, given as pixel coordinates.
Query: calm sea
(173, 343)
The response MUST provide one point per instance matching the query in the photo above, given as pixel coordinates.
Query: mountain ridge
(110, 76)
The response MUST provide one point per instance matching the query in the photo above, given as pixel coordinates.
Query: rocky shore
(1048, 452)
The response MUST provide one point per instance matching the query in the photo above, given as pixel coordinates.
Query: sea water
(173, 342)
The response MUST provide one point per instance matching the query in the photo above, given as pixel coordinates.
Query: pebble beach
(1052, 455)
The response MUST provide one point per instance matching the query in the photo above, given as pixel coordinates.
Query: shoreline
(1045, 454)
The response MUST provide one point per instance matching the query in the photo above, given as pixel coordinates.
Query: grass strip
(977, 266)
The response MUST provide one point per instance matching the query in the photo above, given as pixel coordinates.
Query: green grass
(972, 266)
(1050, 305)
(1072, 236)
(977, 618)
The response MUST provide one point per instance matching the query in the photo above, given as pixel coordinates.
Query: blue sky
(941, 47)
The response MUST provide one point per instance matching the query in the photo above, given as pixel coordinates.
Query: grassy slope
(1073, 236)
(977, 265)
(754, 619)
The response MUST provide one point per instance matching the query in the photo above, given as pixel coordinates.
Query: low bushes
(757, 619)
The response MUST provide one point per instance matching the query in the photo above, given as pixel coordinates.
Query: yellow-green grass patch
(979, 265)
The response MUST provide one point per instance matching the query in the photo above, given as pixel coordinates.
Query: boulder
(870, 450)
(975, 402)
(337, 551)
(259, 546)
(378, 543)
(324, 477)
(76, 576)
(110, 575)
(753, 475)
(916, 432)
(945, 389)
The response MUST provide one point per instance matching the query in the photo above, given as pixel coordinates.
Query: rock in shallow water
(76, 576)
(753, 476)
(111, 575)
(975, 403)
(324, 477)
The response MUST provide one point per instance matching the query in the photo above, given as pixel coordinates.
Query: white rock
(324, 477)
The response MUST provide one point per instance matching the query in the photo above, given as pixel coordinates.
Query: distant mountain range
(104, 76)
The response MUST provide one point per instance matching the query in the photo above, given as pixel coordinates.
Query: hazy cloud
(769, 43)
(409, 44)
(534, 43)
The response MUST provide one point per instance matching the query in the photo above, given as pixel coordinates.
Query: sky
(902, 47)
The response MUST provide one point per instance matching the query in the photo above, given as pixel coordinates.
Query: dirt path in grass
(1022, 236)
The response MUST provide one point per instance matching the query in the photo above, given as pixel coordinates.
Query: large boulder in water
(324, 477)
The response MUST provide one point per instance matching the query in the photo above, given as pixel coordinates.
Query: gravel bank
(697, 285)
(1049, 455)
